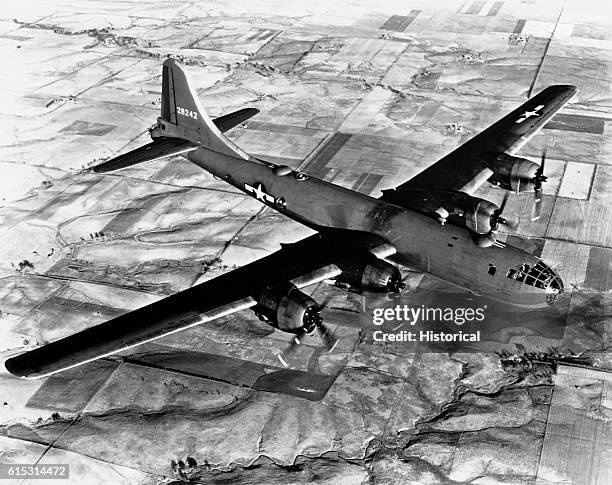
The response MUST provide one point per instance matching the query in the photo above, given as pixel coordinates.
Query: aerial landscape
(364, 95)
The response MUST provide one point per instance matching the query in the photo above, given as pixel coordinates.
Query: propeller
(488, 239)
(537, 180)
(497, 217)
(396, 287)
(327, 336)
(312, 321)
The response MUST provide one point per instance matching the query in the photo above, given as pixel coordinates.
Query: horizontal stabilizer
(230, 120)
(167, 147)
(159, 148)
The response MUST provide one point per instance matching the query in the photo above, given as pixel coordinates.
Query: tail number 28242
(187, 112)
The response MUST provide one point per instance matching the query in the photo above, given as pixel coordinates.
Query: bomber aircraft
(432, 223)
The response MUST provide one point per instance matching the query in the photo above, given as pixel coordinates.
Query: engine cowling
(478, 215)
(514, 173)
(288, 309)
(371, 274)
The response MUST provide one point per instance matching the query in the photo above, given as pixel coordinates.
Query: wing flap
(320, 274)
(472, 185)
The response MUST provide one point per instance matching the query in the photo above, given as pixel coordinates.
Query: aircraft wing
(303, 263)
(467, 167)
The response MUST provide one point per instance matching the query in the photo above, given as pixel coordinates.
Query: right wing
(469, 166)
(303, 263)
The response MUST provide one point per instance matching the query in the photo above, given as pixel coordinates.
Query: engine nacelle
(478, 215)
(514, 173)
(288, 309)
(372, 274)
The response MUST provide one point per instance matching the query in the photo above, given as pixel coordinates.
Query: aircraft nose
(554, 286)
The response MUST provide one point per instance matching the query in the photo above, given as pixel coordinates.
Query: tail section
(182, 115)
(183, 125)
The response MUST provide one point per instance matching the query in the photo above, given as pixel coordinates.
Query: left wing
(469, 166)
(303, 263)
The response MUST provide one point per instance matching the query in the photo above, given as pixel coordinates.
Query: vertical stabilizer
(182, 115)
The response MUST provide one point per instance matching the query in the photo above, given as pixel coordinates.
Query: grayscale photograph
(308, 242)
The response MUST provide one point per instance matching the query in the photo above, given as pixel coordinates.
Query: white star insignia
(528, 114)
(259, 193)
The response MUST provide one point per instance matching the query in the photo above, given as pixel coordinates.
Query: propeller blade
(539, 176)
(325, 304)
(328, 338)
(498, 218)
(503, 204)
(511, 223)
(538, 179)
(537, 206)
(538, 195)
(291, 348)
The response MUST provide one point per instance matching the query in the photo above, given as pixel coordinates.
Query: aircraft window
(450, 245)
(492, 269)
(522, 273)
(516, 275)
(163, 126)
(540, 284)
(539, 275)
(536, 269)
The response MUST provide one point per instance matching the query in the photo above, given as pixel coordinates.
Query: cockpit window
(540, 276)
(492, 269)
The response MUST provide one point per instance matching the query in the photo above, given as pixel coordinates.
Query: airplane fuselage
(354, 230)
(447, 252)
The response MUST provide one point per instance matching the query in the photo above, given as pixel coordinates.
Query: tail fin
(182, 115)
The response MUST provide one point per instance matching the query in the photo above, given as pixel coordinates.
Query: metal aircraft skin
(431, 223)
